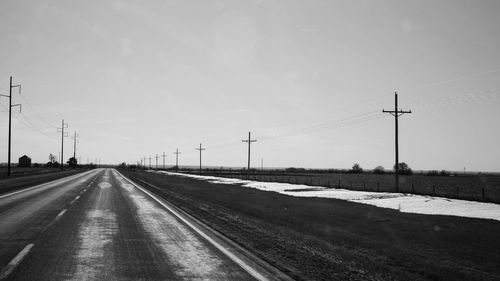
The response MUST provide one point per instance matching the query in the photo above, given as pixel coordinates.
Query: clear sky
(309, 79)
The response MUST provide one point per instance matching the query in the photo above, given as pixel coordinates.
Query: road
(98, 225)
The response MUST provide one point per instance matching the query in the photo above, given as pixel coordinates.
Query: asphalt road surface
(98, 225)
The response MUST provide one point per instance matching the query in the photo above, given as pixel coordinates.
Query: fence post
(482, 193)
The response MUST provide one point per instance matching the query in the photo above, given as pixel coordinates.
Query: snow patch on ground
(408, 203)
(95, 234)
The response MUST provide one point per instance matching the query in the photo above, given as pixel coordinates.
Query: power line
(36, 112)
(451, 80)
(33, 126)
(353, 120)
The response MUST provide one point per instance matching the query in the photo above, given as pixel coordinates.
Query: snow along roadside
(408, 203)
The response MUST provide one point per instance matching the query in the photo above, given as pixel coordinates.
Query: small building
(24, 161)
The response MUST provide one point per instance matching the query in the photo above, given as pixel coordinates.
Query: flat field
(330, 239)
(19, 171)
(484, 188)
(33, 177)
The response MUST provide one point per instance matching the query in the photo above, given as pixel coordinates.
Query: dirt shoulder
(329, 239)
(20, 182)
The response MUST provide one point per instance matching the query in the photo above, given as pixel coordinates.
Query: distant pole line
(200, 149)
(262, 163)
(249, 141)
(177, 158)
(396, 113)
(156, 168)
(164, 160)
(10, 121)
(63, 134)
(150, 162)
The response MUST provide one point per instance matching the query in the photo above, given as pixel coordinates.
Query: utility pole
(150, 162)
(164, 160)
(63, 134)
(75, 140)
(396, 113)
(156, 162)
(249, 141)
(177, 159)
(262, 163)
(10, 120)
(200, 149)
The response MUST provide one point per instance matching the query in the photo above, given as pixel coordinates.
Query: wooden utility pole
(249, 141)
(200, 149)
(177, 158)
(75, 140)
(156, 167)
(396, 113)
(10, 121)
(150, 162)
(63, 134)
(164, 160)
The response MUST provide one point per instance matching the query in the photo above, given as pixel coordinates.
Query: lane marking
(15, 261)
(61, 213)
(230, 255)
(74, 200)
(47, 183)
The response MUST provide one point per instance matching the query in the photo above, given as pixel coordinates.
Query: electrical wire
(451, 80)
(39, 116)
(35, 127)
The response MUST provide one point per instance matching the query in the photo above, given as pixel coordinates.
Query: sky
(308, 79)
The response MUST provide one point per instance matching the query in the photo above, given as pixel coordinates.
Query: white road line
(230, 255)
(60, 214)
(74, 200)
(15, 261)
(43, 184)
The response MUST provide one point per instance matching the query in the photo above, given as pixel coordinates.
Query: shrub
(379, 170)
(404, 169)
(356, 169)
